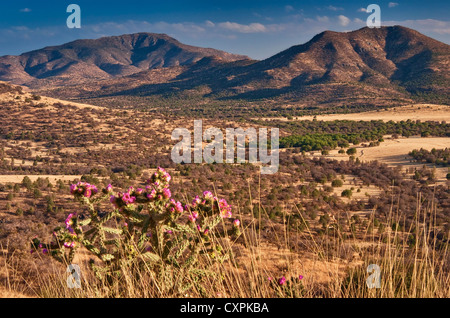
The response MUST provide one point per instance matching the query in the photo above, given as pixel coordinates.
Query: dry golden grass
(423, 112)
(52, 178)
(331, 266)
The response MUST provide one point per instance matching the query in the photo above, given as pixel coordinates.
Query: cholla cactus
(152, 231)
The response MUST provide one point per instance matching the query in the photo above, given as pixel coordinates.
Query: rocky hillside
(379, 67)
(103, 58)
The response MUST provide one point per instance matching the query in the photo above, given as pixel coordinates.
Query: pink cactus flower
(208, 195)
(166, 193)
(69, 244)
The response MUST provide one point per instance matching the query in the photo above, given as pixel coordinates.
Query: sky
(256, 28)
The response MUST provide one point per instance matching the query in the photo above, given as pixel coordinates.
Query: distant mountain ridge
(375, 66)
(103, 58)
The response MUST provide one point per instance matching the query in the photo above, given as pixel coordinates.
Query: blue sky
(257, 28)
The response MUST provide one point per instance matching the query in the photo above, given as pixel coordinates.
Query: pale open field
(51, 178)
(394, 152)
(43, 99)
(423, 112)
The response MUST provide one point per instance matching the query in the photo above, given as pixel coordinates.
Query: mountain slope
(366, 67)
(103, 58)
(370, 56)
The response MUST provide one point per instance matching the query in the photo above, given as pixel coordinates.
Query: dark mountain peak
(387, 64)
(86, 59)
(389, 56)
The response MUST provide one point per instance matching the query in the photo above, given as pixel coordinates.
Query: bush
(146, 229)
(337, 183)
(347, 193)
(37, 193)
(19, 212)
(27, 183)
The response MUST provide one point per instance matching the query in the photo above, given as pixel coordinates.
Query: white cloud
(288, 8)
(212, 33)
(424, 25)
(343, 20)
(392, 4)
(243, 28)
(362, 10)
(25, 10)
(323, 19)
(333, 8)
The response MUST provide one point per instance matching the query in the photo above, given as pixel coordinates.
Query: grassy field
(329, 267)
(294, 224)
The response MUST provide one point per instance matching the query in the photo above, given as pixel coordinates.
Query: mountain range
(377, 66)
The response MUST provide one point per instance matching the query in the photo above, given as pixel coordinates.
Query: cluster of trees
(313, 142)
(435, 156)
(326, 135)
(371, 128)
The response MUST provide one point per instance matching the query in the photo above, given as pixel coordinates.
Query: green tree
(336, 183)
(347, 193)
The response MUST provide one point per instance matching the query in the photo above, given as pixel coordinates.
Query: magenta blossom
(282, 281)
(225, 209)
(196, 201)
(128, 199)
(166, 193)
(83, 189)
(69, 222)
(152, 195)
(88, 193)
(174, 206)
(208, 195)
(160, 179)
(69, 244)
(73, 188)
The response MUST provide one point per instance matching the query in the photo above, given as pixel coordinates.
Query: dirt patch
(52, 178)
